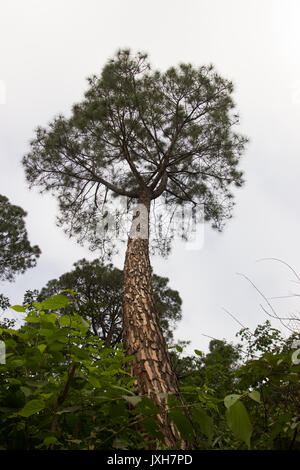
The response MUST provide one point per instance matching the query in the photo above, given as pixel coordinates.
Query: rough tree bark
(142, 334)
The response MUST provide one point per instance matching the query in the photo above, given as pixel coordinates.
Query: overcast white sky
(49, 47)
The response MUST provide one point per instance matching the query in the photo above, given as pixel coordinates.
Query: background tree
(4, 302)
(16, 253)
(143, 135)
(269, 368)
(100, 300)
(215, 370)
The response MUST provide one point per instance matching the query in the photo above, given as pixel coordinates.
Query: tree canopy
(16, 252)
(100, 299)
(170, 134)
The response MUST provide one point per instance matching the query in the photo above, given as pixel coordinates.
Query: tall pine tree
(143, 135)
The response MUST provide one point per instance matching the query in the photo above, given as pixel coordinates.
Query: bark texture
(142, 334)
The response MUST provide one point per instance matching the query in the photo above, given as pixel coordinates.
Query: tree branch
(62, 396)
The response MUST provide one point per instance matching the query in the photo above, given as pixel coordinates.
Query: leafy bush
(63, 388)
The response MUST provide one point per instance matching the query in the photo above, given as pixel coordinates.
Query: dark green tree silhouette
(16, 253)
(100, 299)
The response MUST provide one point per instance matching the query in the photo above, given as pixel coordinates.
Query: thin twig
(283, 262)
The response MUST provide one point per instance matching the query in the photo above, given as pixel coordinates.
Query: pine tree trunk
(142, 334)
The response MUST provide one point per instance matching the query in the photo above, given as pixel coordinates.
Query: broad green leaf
(32, 407)
(182, 423)
(147, 407)
(123, 389)
(239, 422)
(11, 332)
(50, 317)
(94, 381)
(65, 320)
(85, 323)
(38, 305)
(119, 443)
(46, 395)
(151, 426)
(189, 388)
(255, 395)
(199, 353)
(42, 347)
(35, 383)
(13, 381)
(32, 317)
(162, 395)
(17, 362)
(179, 348)
(18, 308)
(229, 400)
(75, 441)
(54, 302)
(132, 400)
(70, 409)
(50, 440)
(204, 421)
(70, 291)
(127, 359)
(26, 391)
(124, 372)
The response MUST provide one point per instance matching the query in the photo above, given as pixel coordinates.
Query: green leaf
(70, 291)
(184, 426)
(94, 381)
(54, 302)
(204, 421)
(42, 347)
(239, 422)
(229, 400)
(32, 407)
(46, 395)
(199, 353)
(50, 317)
(85, 323)
(123, 389)
(13, 381)
(127, 359)
(75, 441)
(150, 425)
(179, 349)
(26, 391)
(255, 395)
(33, 317)
(120, 443)
(65, 320)
(50, 440)
(147, 407)
(132, 400)
(18, 308)
(162, 395)
(70, 409)
(37, 305)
